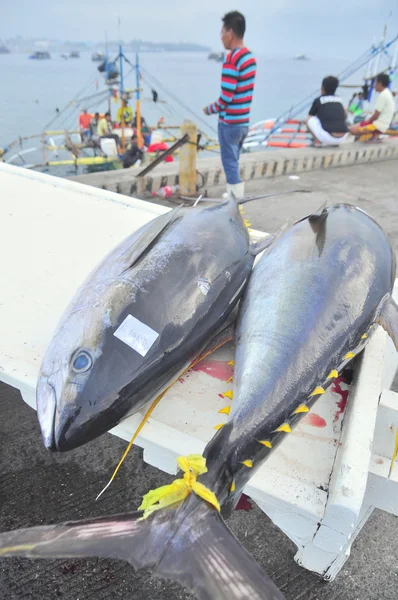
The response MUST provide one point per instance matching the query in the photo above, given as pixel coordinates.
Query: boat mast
(106, 68)
(121, 91)
(395, 59)
(381, 47)
(138, 101)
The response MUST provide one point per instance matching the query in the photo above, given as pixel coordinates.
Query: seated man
(383, 114)
(104, 129)
(133, 153)
(326, 119)
(355, 107)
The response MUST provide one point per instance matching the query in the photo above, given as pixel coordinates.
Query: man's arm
(314, 109)
(374, 117)
(229, 79)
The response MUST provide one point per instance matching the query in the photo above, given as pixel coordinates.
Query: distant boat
(4, 50)
(40, 55)
(74, 54)
(97, 57)
(217, 56)
(300, 57)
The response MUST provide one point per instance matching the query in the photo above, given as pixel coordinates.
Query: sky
(337, 28)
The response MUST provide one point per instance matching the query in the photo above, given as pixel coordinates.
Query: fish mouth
(46, 402)
(56, 424)
(69, 420)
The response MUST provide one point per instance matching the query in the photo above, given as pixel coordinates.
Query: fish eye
(82, 362)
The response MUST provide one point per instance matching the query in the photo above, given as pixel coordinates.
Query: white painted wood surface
(314, 487)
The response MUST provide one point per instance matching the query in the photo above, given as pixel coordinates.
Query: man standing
(233, 106)
(125, 114)
(84, 121)
(381, 119)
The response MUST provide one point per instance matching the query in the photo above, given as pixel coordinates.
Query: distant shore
(26, 46)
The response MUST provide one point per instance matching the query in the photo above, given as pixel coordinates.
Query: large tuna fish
(310, 307)
(139, 320)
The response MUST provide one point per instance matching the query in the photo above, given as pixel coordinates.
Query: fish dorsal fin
(257, 247)
(387, 317)
(318, 214)
(140, 243)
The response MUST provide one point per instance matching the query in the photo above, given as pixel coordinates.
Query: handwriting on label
(136, 334)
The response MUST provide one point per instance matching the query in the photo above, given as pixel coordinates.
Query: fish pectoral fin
(146, 236)
(387, 317)
(257, 247)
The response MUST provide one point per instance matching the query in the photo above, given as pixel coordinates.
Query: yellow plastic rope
(193, 466)
(152, 408)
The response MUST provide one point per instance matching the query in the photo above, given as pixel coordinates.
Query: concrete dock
(254, 166)
(37, 487)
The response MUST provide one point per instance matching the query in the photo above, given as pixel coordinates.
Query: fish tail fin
(193, 547)
(206, 558)
(387, 317)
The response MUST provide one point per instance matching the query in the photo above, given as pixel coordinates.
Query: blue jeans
(231, 138)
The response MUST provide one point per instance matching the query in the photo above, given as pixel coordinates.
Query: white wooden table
(323, 482)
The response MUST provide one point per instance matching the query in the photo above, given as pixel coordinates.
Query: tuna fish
(140, 319)
(310, 307)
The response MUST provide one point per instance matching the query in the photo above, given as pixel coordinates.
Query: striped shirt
(237, 85)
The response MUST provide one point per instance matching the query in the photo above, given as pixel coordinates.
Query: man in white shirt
(381, 119)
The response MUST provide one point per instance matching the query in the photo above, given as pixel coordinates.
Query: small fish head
(79, 382)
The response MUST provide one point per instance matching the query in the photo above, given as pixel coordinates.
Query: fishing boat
(289, 129)
(74, 54)
(4, 49)
(217, 56)
(300, 57)
(63, 149)
(40, 55)
(98, 57)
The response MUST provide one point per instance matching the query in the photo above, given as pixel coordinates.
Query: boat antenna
(138, 101)
(106, 66)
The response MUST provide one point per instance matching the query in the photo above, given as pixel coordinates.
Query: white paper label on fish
(137, 335)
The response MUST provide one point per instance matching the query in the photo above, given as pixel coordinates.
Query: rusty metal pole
(187, 176)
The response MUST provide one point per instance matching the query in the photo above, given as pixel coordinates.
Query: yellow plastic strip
(193, 466)
(20, 548)
(318, 391)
